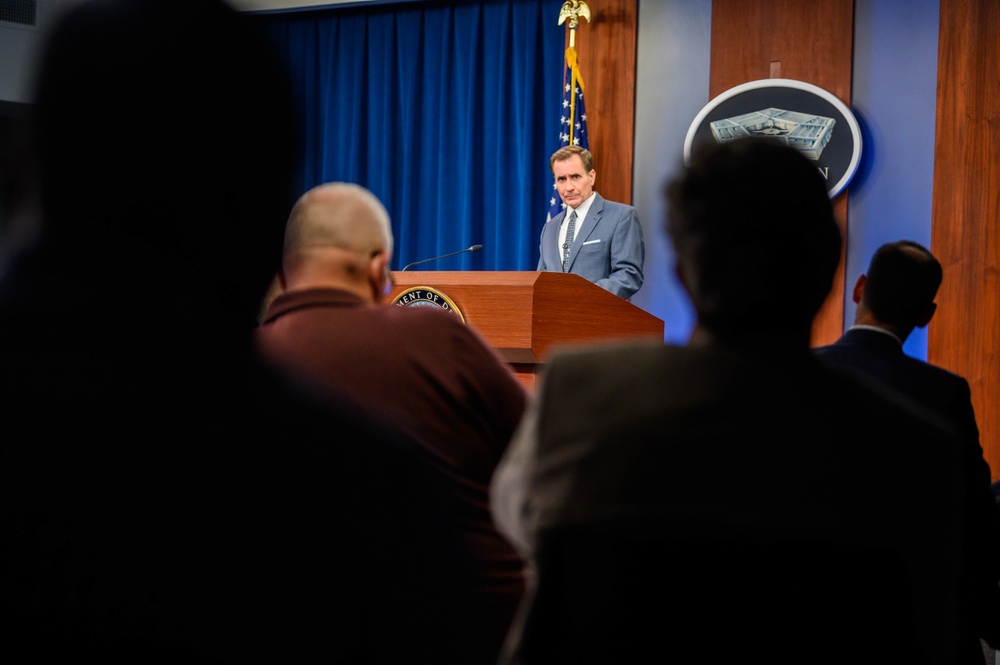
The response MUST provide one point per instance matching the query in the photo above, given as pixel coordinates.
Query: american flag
(573, 123)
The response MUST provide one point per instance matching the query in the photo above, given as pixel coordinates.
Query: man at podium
(597, 239)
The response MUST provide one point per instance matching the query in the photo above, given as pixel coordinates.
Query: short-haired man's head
(755, 236)
(566, 152)
(342, 215)
(901, 283)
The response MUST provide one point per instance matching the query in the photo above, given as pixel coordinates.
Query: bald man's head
(342, 215)
(338, 235)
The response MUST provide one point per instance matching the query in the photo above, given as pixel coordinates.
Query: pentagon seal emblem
(799, 114)
(426, 296)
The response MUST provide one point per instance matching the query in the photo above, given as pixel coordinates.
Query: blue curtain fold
(447, 111)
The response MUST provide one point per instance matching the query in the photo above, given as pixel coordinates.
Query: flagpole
(573, 10)
(573, 110)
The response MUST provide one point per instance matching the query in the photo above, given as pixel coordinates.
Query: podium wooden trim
(524, 315)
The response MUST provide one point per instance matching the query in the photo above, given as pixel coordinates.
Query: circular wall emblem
(426, 296)
(799, 114)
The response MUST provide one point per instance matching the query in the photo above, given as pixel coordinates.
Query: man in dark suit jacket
(894, 297)
(599, 240)
(733, 495)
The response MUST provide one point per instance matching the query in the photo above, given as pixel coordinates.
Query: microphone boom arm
(473, 248)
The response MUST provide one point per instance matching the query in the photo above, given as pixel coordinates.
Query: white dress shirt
(581, 214)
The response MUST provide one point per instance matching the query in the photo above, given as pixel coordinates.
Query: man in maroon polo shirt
(421, 369)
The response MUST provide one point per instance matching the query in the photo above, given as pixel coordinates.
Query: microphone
(474, 248)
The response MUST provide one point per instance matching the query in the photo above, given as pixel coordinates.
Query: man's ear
(859, 289)
(376, 267)
(928, 315)
(378, 273)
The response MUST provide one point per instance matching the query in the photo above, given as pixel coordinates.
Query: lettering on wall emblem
(427, 296)
(801, 115)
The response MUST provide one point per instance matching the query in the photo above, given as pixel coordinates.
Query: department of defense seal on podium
(426, 296)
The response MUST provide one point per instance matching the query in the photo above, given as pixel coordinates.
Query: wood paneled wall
(606, 48)
(964, 335)
(807, 41)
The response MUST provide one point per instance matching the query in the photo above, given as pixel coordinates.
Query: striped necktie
(570, 230)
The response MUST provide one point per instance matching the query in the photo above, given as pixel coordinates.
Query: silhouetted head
(167, 128)
(900, 285)
(755, 237)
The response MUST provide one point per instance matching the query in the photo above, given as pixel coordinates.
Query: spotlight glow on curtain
(443, 110)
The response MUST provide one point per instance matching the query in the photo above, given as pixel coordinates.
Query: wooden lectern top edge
(523, 314)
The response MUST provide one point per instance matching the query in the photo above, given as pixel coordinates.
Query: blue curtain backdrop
(447, 112)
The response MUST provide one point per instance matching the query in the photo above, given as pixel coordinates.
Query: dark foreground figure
(733, 497)
(163, 498)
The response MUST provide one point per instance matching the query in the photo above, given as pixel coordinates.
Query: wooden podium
(525, 314)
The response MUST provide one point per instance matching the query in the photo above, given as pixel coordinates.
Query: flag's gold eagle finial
(573, 10)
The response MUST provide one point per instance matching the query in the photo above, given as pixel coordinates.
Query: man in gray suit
(599, 240)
